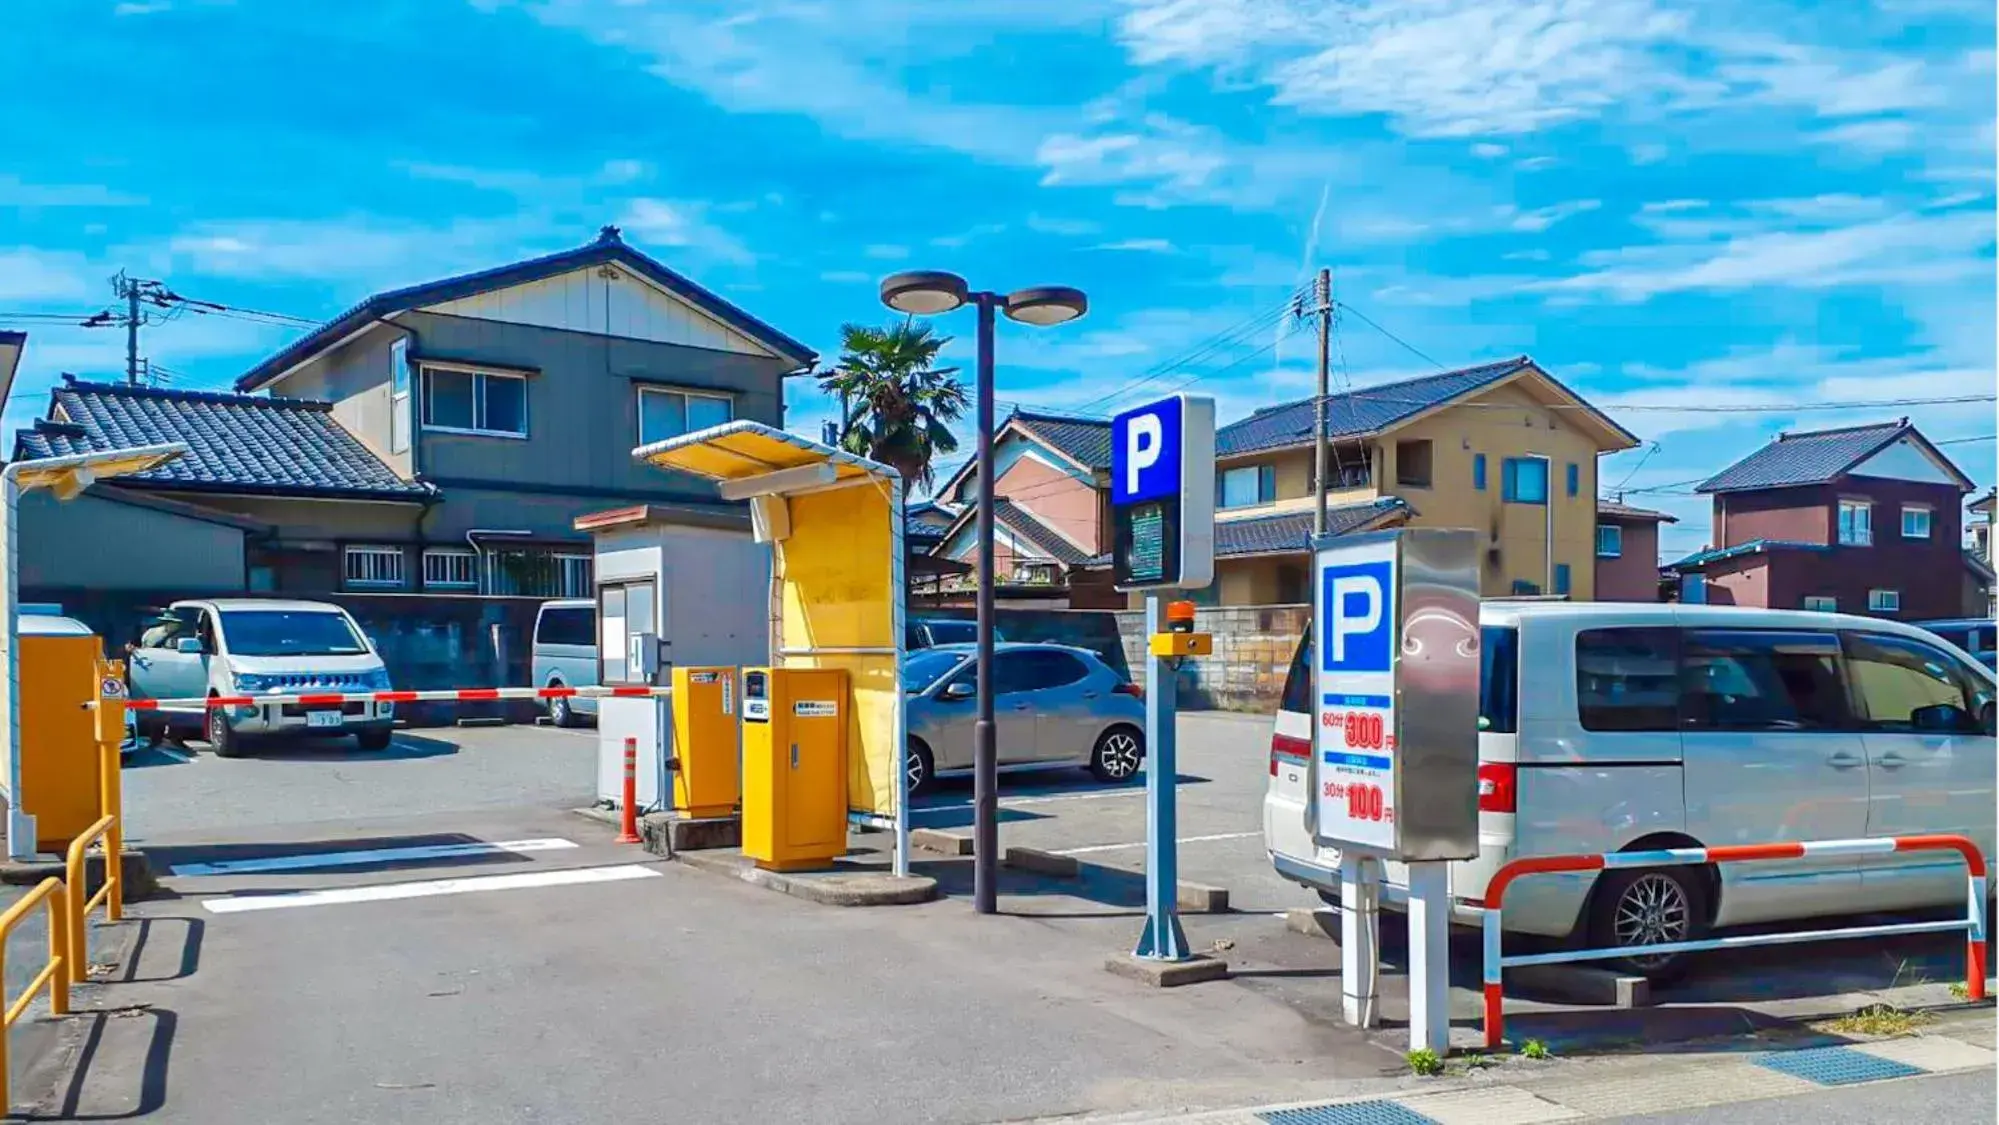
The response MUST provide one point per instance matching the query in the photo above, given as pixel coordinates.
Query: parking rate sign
(1355, 615)
(1163, 494)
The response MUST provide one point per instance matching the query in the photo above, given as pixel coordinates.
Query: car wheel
(222, 738)
(920, 767)
(560, 713)
(1118, 754)
(1650, 906)
(373, 740)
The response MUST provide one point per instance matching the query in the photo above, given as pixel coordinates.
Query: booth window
(623, 611)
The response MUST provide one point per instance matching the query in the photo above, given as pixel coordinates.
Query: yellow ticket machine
(794, 766)
(706, 780)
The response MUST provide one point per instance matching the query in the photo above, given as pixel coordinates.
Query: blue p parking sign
(1163, 494)
(1354, 704)
(1359, 626)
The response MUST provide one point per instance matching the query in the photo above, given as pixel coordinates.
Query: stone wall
(1253, 647)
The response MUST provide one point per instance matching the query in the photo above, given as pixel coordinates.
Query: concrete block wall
(1253, 647)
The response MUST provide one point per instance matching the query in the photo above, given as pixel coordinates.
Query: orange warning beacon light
(1179, 617)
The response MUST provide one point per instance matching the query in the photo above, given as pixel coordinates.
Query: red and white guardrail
(1973, 922)
(449, 695)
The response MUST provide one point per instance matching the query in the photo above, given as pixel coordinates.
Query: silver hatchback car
(1054, 706)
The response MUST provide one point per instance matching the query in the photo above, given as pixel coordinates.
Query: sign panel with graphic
(1163, 494)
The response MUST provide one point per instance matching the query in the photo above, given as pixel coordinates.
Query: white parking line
(367, 856)
(1141, 843)
(390, 891)
(1012, 802)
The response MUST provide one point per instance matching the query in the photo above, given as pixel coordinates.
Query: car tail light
(1283, 745)
(1132, 690)
(1497, 791)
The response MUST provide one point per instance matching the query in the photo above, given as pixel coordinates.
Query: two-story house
(1984, 589)
(1627, 552)
(1863, 519)
(437, 441)
(1503, 448)
(1050, 514)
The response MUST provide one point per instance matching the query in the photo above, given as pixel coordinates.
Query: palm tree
(898, 407)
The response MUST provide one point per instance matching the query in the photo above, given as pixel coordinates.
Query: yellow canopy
(742, 452)
(68, 475)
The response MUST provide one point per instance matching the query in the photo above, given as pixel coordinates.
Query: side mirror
(958, 690)
(1937, 717)
(1988, 720)
(189, 645)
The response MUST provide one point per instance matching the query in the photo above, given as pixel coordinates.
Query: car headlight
(253, 682)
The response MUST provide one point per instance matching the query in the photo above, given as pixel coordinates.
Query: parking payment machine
(794, 766)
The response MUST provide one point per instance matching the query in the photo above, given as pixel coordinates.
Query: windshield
(953, 632)
(921, 669)
(273, 632)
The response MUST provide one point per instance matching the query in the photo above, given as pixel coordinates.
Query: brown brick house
(1627, 552)
(1866, 519)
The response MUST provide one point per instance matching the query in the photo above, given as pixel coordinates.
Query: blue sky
(1730, 211)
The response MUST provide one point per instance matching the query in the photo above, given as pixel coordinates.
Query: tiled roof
(1979, 566)
(236, 443)
(1363, 411)
(1292, 531)
(1087, 440)
(609, 247)
(1626, 512)
(1807, 458)
(1754, 547)
(1043, 538)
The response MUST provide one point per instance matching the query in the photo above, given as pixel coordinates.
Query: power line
(1226, 338)
(1409, 347)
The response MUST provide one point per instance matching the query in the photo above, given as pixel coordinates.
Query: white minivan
(564, 654)
(1607, 727)
(254, 646)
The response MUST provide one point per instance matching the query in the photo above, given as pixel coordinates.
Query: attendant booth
(833, 523)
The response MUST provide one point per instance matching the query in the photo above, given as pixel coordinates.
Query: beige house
(1502, 448)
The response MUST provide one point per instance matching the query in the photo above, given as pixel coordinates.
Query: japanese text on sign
(1355, 696)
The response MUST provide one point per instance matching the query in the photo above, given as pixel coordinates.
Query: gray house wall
(100, 544)
(355, 378)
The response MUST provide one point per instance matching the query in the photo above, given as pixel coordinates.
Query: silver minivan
(1608, 727)
(254, 646)
(565, 655)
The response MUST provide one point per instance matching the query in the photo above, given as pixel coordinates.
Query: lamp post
(931, 293)
(67, 477)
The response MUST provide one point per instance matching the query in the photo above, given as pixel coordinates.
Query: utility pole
(1323, 291)
(131, 294)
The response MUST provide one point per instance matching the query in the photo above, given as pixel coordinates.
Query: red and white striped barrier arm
(1973, 923)
(451, 695)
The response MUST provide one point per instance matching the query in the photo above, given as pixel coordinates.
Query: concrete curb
(1570, 984)
(1190, 898)
(939, 841)
(1167, 974)
(834, 887)
(140, 880)
(668, 834)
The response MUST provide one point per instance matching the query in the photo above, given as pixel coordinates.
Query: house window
(399, 395)
(1561, 578)
(1575, 478)
(450, 568)
(1524, 480)
(573, 573)
(1412, 463)
(1856, 523)
(1524, 588)
(373, 568)
(1819, 603)
(1478, 471)
(1247, 486)
(475, 402)
(1884, 601)
(667, 414)
(1609, 541)
(1915, 521)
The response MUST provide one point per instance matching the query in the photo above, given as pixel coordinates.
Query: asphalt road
(1965, 1098)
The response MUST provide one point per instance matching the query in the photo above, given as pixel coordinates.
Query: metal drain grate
(1836, 1066)
(1348, 1113)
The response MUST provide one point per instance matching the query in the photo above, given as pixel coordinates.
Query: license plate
(322, 718)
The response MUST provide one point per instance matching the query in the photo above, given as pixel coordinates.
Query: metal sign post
(1163, 516)
(1395, 762)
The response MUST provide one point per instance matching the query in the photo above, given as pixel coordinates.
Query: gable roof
(11, 345)
(1753, 547)
(1025, 524)
(1370, 410)
(610, 247)
(1085, 442)
(1291, 532)
(1818, 457)
(241, 444)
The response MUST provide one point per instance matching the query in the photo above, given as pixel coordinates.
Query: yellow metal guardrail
(112, 893)
(55, 974)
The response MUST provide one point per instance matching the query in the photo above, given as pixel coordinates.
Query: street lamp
(67, 477)
(930, 293)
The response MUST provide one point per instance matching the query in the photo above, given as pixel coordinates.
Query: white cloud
(1140, 245)
(1887, 134)
(1485, 150)
(683, 223)
(141, 8)
(1535, 163)
(1668, 206)
(1535, 255)
(371, 250)
(882, 251)
(968, 235)
(32, 276)
(1542, 218)
(846, 277)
